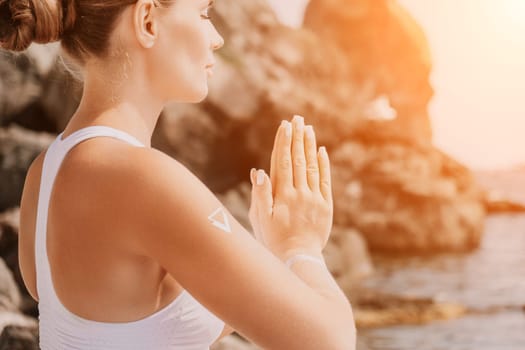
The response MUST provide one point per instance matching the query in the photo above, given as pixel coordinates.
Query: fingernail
(288, 129)
(322, 149)
(260, 177)
(309, 131)
(251, 174)
(298, 118)
(299, 122)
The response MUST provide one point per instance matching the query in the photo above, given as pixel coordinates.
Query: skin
(139, 39)
(146, 252)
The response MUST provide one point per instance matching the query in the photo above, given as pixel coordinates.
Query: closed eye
(210, 5)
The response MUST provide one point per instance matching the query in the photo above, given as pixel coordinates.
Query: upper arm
(222, 265)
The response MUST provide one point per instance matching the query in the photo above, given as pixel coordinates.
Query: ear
(145, 23)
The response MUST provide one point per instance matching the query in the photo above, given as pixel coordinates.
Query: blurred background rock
(359, 72)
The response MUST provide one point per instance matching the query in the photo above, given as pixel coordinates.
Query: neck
(125, 103)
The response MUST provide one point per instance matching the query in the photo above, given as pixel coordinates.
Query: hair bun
(41, 21)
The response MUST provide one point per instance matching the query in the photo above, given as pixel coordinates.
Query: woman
(121, 245)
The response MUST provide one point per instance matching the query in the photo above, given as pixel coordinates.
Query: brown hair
(83, 26)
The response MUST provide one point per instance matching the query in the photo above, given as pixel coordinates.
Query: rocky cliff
(358, 72)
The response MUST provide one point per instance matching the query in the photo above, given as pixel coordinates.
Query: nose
(217, 44)
(218, 40)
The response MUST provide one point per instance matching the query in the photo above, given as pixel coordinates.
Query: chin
(199, 95)
(193, 95)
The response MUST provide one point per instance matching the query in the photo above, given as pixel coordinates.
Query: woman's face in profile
(183, 52)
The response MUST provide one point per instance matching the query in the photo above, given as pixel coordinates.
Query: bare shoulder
(137, 174)
(121, 180)
(35, 169)
(105, 174)
(151, 183)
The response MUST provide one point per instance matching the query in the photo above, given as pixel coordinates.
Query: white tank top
(183, 325)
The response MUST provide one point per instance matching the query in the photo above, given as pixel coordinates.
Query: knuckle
(311, 155)
(285, 163)
(312, 168)
(299, 161)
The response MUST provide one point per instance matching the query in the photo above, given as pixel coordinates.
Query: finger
(273, 158)
(324, 174)
(263, 193)
(298, 156)
(312, 164)
(283, 161)
(253, 203)
(253, 214)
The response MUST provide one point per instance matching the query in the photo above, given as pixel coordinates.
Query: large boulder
(17, 331)
(405, 199)
(9, 294)
(20, 337)
(18, 148)
(388, 50)
(23, 79)
(9, 227)
(347, 257)
(392, 184)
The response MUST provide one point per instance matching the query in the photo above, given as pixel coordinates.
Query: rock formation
(358, 72)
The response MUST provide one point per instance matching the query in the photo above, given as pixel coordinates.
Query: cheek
(180, 59)
(185, 45)
(192, 42)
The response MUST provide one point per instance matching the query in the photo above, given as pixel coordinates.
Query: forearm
(320, 279)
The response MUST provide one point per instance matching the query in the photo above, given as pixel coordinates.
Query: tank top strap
(53, 158)
(94, 131)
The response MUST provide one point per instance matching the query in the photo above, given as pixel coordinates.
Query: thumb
(263, 193)
(253, 204)
(253, 214)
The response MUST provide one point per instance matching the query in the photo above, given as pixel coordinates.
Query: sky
(478, 52)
